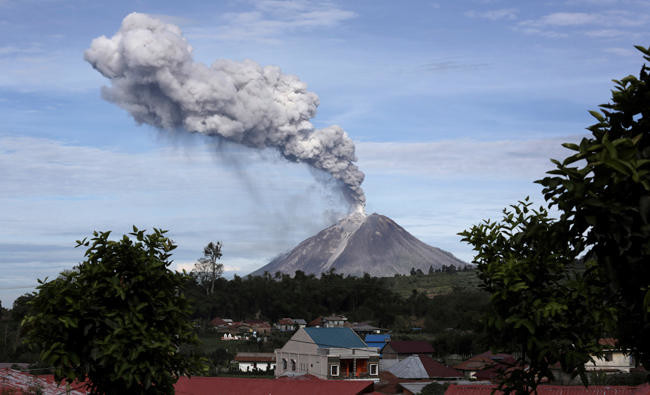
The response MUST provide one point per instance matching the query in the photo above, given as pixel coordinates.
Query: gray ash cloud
(155, 78)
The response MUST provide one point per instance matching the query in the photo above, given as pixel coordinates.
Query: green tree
(540, 304)
(603, 192)
(118, 320)
(558, 285)
(207, 270)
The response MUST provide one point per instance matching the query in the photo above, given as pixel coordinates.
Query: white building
(252, 361)
(327, 353)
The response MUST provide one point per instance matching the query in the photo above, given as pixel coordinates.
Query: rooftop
(335, 338)
(411, 347)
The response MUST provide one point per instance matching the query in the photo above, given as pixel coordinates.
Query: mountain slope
(359, 244)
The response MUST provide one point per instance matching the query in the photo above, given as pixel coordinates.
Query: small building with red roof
(423, 367)
(255, 361)
(488, 362)
(401, 349)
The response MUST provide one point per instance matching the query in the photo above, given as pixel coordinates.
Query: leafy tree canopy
(559, 285)
(118, 319)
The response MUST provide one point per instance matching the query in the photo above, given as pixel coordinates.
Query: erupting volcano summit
(359, 244)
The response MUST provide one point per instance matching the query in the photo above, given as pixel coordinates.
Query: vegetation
(444, 306)
(207, 270)
(118, 319)
(557, 286)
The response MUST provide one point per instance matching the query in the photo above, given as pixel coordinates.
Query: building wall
(309, 359)
(619, 361)
(301, 349)
(251, 366)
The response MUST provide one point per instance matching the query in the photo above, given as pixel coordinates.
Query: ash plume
(154, 77)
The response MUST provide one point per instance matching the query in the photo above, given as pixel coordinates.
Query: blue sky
(454, 107)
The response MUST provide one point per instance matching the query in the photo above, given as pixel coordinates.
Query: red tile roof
(285, 386)
(486, 359)
(474, 389)
(411, 347)
(608, 341)
(255, 357)
(437, 370)
(18, 383)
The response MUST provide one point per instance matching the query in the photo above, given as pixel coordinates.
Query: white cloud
(270, 19)
(567, 19)
(610, 33)
(621, 51)
(493, 15)
(464, 159)
(603, 24)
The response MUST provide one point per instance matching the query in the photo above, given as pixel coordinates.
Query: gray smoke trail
(154, 78)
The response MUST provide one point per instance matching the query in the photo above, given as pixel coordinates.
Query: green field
(434, 284)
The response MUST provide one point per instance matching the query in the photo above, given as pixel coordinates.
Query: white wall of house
(251, 366)
(612, 360)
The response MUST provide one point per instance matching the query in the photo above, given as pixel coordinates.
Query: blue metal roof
(377, 338)
(335, 337)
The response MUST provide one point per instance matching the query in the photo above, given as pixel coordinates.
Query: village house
(327, 353)
(245, 330)
(364, 328)
(377, 341)
(255, 361)
(423, 367)
(332, 321)
(218, 322)
(613, 361)
(290, 324)
(397, 350)
(486, 365)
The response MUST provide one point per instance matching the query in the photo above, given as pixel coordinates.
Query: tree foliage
(557, 286)
(603, 192)
(207, 270)
(541, 304)
(118, 319)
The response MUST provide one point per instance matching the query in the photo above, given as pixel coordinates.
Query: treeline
(451, 321)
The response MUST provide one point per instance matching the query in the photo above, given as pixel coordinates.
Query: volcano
(359, 244)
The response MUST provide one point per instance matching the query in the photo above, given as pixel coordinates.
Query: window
(373, 369)
(293, 365)
(284, 364)
(334, 370)
(609, 356)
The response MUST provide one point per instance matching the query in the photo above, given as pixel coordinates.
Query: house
(18, 382)
(378, 341)
(481, 389)
(614, 359)
(364, 328)
(218, 322)
(252, 361)
(332, 321)
(290, 324)
(327, 353)
(260, 328)
(486, 362)
(398, 350)
(423, 367)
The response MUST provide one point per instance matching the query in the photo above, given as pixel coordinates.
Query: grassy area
(434, 284)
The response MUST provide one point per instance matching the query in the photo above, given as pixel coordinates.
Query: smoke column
(154, 77)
